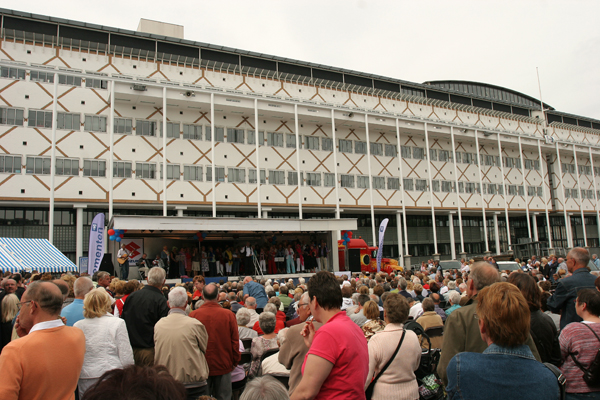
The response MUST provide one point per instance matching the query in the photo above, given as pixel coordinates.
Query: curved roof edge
(488, 85)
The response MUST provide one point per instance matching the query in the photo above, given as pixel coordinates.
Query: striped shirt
(578, 340)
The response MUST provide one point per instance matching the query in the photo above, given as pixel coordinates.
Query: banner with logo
(97, 244)
(380, 250)
(135, 249)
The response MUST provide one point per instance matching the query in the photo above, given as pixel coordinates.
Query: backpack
(591, 374)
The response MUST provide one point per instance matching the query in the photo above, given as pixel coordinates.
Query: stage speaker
(354, 260)
(106, 264)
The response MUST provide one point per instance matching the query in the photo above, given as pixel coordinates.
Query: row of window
(585, 194)
(48, 77)
(583, 169)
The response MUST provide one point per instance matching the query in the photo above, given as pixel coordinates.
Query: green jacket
(461, 333)
(285, 300)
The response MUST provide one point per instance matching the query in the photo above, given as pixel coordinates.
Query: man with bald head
(46, 361)
(461, 331)
(250, 304)
(563, 299)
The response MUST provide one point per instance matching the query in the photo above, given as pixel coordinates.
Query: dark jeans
(125, 270)
(212, 268)
(220, 386)
(236, 266)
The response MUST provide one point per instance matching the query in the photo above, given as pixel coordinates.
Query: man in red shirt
(222, 350)
(337, 362)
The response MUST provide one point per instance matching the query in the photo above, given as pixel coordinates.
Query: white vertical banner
(380, 249)
(135, 249)
(97, 244)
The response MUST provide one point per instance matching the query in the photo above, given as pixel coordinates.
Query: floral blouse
(371, 327)
(259, 347)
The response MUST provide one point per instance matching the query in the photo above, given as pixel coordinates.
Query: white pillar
(399, 232)
(504, 193)
(435, 244)
(164, 146)
(298, 162)
(497, 233)
(570, 231)
(595, 191)
(546, 197)
(402, 191)
(212, 152)
(370, 181)
(111, 139)
(256, 136)
(53, 161)
(460, 226)
(585, 243)
(451, 227)
(180, 210)
(335, 172)
(79, 231)
(562, 190)
(535, 231)
(525, 192)
(485, 233)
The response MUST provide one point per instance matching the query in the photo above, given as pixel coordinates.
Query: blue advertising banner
(380, 249)
(97, 244)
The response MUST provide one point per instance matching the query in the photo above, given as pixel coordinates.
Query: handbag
(371, 387)
(591, 374)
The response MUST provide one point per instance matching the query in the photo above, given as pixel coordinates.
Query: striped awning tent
(17, 255)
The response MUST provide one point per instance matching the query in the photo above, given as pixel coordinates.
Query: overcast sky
(495, 42)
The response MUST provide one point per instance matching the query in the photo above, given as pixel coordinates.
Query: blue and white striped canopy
(17, 255)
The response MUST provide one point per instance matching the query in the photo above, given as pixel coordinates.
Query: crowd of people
(210, 261)
(329, 337)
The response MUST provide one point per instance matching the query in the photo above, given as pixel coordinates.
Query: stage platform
(217, 279)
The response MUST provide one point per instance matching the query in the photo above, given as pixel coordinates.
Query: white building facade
(96, 119)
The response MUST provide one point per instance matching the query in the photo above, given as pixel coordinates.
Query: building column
(570, 241)
(79, 232)
(53, 160)
(451, 228)
(399, 231)
(298, 172)
(164, 153)
(180, 210)
(497, 233)
(535, 229)
(265, 212)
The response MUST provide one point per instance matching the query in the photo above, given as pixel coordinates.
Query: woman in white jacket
(107, 344)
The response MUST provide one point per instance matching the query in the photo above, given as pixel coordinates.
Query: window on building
(567, 193)
(38, 165)
(487, 160)
(418, 153)
(406, 151)
(12, 73)
(67, 166)
(521, 190)
(96, 83)
(95, 123)
(509, 162)
(313, 178)
(11, 116)
(252, 176)
(69, 80)
(145, 128)
(347, 181)
(41, 76)
(275, 139)
(290, 141)
(378, 182)
(461, 187)
(236, 175)
(435, 185)
(408, 183)
(511, 190)
(345, 146)
(172, 129)
(328, 180)
(391, 150)
(173, 171)
(192, 173)
(123, 125)
(311, 142)
(458, 157)
(122, 169)
(590, 193)
(531, 191)
(585, 170)
(327, 144)
(192, 132)
(376, 149)
(251, 137)
(444, 155)
(492, 188)
(219, 133)
(447, 186)
(360, 147)
(95, 168)
(433, 154)
(421, 185)
(40, 119)
(293, 178)
(393, 183)
(574, 194)
(68, 121)
(532, 165)
(219, 174)
(362, 182)
(10, 164)
(467, 158)
(276, 177)
(583, 194)
(145, 170)
(235, 135)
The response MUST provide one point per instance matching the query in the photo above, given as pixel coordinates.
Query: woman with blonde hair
(10, 308)
(107, 344)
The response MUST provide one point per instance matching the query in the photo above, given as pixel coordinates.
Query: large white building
(83, 110)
